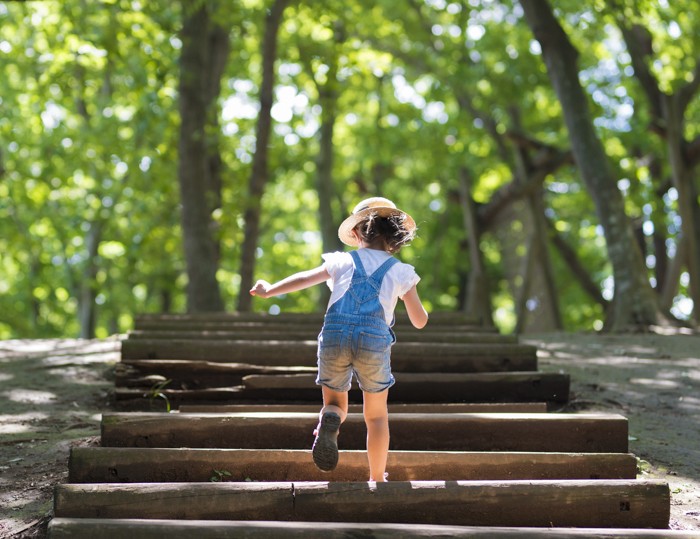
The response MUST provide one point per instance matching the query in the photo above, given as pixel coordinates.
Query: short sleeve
(336, 263)
(407, 278)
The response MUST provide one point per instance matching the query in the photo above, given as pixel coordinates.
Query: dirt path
(53, 392)
(653, 380)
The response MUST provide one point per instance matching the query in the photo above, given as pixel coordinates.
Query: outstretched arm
(298, 281)
(416, 312)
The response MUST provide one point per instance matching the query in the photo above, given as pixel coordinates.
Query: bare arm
(298, 281)
(416, 312)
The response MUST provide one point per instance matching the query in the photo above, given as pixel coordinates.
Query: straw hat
(371, 206)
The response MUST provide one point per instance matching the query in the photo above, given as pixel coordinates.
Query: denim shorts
(362, 350)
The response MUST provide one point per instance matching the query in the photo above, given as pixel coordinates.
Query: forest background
(159, 156)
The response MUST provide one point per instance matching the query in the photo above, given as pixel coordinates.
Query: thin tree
(259, 174)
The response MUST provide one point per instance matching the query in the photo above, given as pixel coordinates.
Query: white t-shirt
(397, 281)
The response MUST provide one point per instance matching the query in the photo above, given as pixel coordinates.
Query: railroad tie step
(588, 433)
(434, 387)
(406, 356)
(284, 332)
(420, 408)
(410, 388)
(89, 528)
(153, 465)
(568, 503)
(184, 320)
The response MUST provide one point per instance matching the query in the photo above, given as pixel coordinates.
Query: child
(356, 336)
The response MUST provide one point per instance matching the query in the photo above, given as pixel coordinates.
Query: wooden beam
(589, 433)
(434, 387)
(404, 330)
(152, 465)
(303, 333)
(406, 357)
(440, 318)
(445, 408)
(89, 528)
(410, 388)
(576, 503)
(198, 374)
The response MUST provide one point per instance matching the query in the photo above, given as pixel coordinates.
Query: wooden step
(304, 333)
(218, 374)
(569, 503)
(406, 330)
(405, 357)
(184, 374)
(446, 408)
(587, 433)
(89, 528)
(410, 388)
(439, 318)
(426, 387)
(153, 465)
(139, 398)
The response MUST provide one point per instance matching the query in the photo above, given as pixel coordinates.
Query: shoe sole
(325, 448)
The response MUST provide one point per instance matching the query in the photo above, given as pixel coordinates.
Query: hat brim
(345, 229)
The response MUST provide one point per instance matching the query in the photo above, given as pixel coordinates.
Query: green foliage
(218, 476)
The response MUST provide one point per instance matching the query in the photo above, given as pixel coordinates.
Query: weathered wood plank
(434, 387)
(152, 465)
(406, 357)
(89, 528)
(193, 374)
(301, 333)
(201, 373)
(429, 408)
(403, 331)
(440, 318)
(588, 433)
(576, 503)
(285, 332)
(410, 388)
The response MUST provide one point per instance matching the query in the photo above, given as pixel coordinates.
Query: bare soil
(53, 393)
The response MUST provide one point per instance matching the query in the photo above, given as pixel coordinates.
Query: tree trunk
(478, 294)
(259, 173)
(634, 303)
(324, 176)
(88, 283)
(682, 178)
(194, 170)
(328, 97)
(668, 112)
(537, 307)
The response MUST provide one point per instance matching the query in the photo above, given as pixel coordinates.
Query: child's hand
(261, 289)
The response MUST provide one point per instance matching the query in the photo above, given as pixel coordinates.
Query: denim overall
(355, 337)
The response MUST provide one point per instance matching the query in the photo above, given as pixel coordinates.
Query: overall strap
(380, 272)
(359, 268)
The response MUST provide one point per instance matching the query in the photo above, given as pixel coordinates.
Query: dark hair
(388, 233)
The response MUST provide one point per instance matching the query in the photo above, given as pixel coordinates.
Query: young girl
(356, 336)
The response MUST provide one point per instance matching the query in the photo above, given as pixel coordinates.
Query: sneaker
(325, 448)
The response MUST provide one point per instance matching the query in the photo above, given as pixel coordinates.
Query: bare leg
(377, 421)
(334, 401)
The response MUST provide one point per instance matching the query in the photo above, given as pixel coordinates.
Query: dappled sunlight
(13, 428)
(29, 396)
(654, 383)
(19, 423)
(27, 416)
